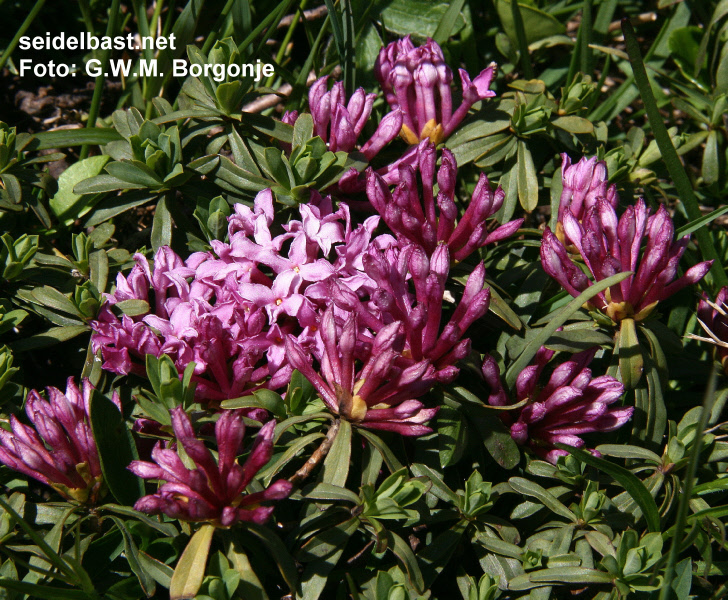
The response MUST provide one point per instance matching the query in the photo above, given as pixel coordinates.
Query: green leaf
(111, 207)
(67, 138)
(328, 491)
(69, 205)
(496, 437)
(531, 489)
(698, 223)
(162, 225)
(527, 181)
(423, 17)
(578, 339)
(406, 557)
(45, 591)
(323, 553)
(105, 183)
(116, 450)
(559, 318)
(134, 174)
(336, 463)
(565, 575)
(278, 551)
(302, 132)
(626, 479)
(683, 580)
(328, 544)
(263, 398)
(190, 569)
(133, 307)
(52, 336)
(167, 529)
(573, 124)
(536, 23)
(677, 172)
(451, 435)
(631, 363)
(390, 459)
(449, 20)
(131, 553)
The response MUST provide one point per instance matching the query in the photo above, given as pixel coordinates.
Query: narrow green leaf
(69, 138)
(162, 225)
(626, 479)
(278, 551)
(116, 450)
(336, 463)
(527, 181)
(530, 488)
(447, 23)
(631, 362)
(561, 316)
(190, 569)
(451, 436)
(327, 491)
(131, 553)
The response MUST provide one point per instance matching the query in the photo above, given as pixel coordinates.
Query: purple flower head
(339, 122)
(431, 220)
(365, 378)
(405, 285)
(609, 246)
(713, 317)
(59, 450)
(212, 491)
(230, 311)
(583, 183)
(416, 80)
(569, 405)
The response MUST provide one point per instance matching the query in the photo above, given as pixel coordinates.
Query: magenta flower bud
(213, 490)
(569, 405)
(388, 129)
(62, 454)
(339, 123)
(583, 183)
(416, 80)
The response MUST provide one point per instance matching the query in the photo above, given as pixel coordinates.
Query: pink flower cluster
(254, 308)
(214, 490)
(59, 450)
(416, 81)
(433, 220)
(571, 404)
(639, 241)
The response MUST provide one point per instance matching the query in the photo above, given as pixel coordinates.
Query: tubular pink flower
(609, 246)
(60, 451)
(569, 405)
(339, 123)
(416, 81)
(583, 183)
(214, 490)
(430, 220)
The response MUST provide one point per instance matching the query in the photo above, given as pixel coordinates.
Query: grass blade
(668, 152)
(687, 491)
(626, 479)
(557, 321)
(21, 31)
(442, 33)
(522, 42)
